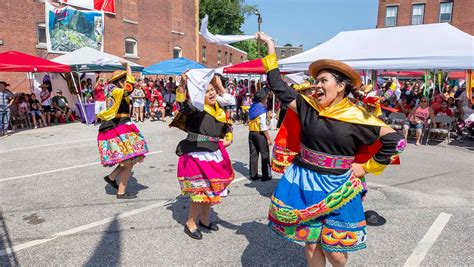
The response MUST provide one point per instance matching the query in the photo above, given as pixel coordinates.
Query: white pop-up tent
(428, 46)
(88, 59)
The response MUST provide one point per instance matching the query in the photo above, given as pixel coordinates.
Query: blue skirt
(316, 208)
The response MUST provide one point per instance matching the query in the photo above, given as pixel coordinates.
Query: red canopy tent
(249, 67)
(13, 61)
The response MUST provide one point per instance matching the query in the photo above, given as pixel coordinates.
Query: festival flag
(108, 6)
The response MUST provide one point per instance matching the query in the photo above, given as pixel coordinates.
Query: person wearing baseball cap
(319, 198)
(6, 100)
(61, 106)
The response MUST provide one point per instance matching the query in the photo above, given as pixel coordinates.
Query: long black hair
(342, 78)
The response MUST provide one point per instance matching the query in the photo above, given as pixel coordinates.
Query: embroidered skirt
(205, 175)
(120, 144)
(315, 208)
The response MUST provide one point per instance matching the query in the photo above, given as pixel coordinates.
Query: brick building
(141, 31)
(287, 51)
(411, 12)
(215, 56)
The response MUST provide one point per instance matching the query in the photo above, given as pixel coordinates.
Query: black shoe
(126, 196)
(196, 234)
(110, 182)
(265, 179)
(211, 226)
(255, 178)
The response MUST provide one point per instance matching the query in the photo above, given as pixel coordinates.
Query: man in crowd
(169, 99)
(6, 100)
(61, 106)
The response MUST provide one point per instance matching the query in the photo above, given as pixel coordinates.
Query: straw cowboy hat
(340, 66)
(117, 75)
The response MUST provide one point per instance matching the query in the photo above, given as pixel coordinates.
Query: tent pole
(79, 97)
(30, 75)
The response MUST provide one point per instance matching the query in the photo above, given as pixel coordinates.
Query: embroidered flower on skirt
(315, 208)
(205, 175)
(120, 144)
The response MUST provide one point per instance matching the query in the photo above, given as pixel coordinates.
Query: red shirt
(147, 92)
(446, 112)
(99, 93)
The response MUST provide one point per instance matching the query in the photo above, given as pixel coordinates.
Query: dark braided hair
(342, 78)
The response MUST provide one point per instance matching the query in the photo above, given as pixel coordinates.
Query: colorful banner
(108, 6)
(68, 29)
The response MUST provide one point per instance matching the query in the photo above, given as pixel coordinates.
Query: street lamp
(259, 23)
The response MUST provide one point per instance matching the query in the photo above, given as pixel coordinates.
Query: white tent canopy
(88, 59)
(428, 46)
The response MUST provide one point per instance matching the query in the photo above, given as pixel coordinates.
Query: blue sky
(309, 22)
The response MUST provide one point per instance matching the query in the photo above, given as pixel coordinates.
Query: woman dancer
(204, 166)
(318, 200)
(119, 140)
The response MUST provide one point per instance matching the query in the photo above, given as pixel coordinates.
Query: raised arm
(283, 92)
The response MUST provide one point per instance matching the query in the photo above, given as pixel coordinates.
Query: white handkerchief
(221, 39)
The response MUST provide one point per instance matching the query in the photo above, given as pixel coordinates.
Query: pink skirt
(122, 143)
(205, 175)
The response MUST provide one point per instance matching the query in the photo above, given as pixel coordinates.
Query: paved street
(57, 210)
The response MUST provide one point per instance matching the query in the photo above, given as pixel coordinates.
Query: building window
(131, 47)
(417, 14)
(204, 53)
(177, 52)
(445, 12)
(230, 58)
(225, 59)
(391, 16)
(241, 58)
(218, 57)
(282, 53)
(41, 33)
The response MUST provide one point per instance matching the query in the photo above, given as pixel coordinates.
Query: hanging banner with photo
(68, 29)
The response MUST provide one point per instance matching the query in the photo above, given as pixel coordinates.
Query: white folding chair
(442, 134)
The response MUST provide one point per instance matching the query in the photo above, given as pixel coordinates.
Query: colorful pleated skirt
(120, 144)
(316, 208)
(203, 176)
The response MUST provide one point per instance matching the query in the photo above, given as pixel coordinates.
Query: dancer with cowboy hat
(119, 140)
(318, 199)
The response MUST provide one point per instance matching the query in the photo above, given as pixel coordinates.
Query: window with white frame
(282, 53)
(41, 33)
(219, 57)
(225, 58)
(177, 52)
(417, 14)
(446, 12)
(391, 16)
(131, 47)
(230, 58)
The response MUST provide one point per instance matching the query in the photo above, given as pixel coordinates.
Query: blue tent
(174, 66)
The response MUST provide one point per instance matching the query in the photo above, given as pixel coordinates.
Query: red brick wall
(212, 51)
(154, 22)
(462, 15)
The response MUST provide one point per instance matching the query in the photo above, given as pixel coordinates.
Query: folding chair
(442, 133)
(397, 119)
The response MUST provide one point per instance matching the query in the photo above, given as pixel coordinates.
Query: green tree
(226, 17)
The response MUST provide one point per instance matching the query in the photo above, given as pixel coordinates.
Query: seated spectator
(35, 112)
(61, 106)
(156, 109)
(419, 118)
(45, 97)
(403, 106)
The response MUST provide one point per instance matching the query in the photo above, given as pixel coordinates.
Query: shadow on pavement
(264, 188)
(241, 168)
(265, 248)
(6, 243)
(108, 251)
(133, 186)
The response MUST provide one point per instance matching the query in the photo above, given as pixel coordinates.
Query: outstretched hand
(358, 170)
(262, 37)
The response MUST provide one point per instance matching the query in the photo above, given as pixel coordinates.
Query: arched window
(131, 47)
(177, 52)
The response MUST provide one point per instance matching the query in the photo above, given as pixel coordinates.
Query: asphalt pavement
(57, 210)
